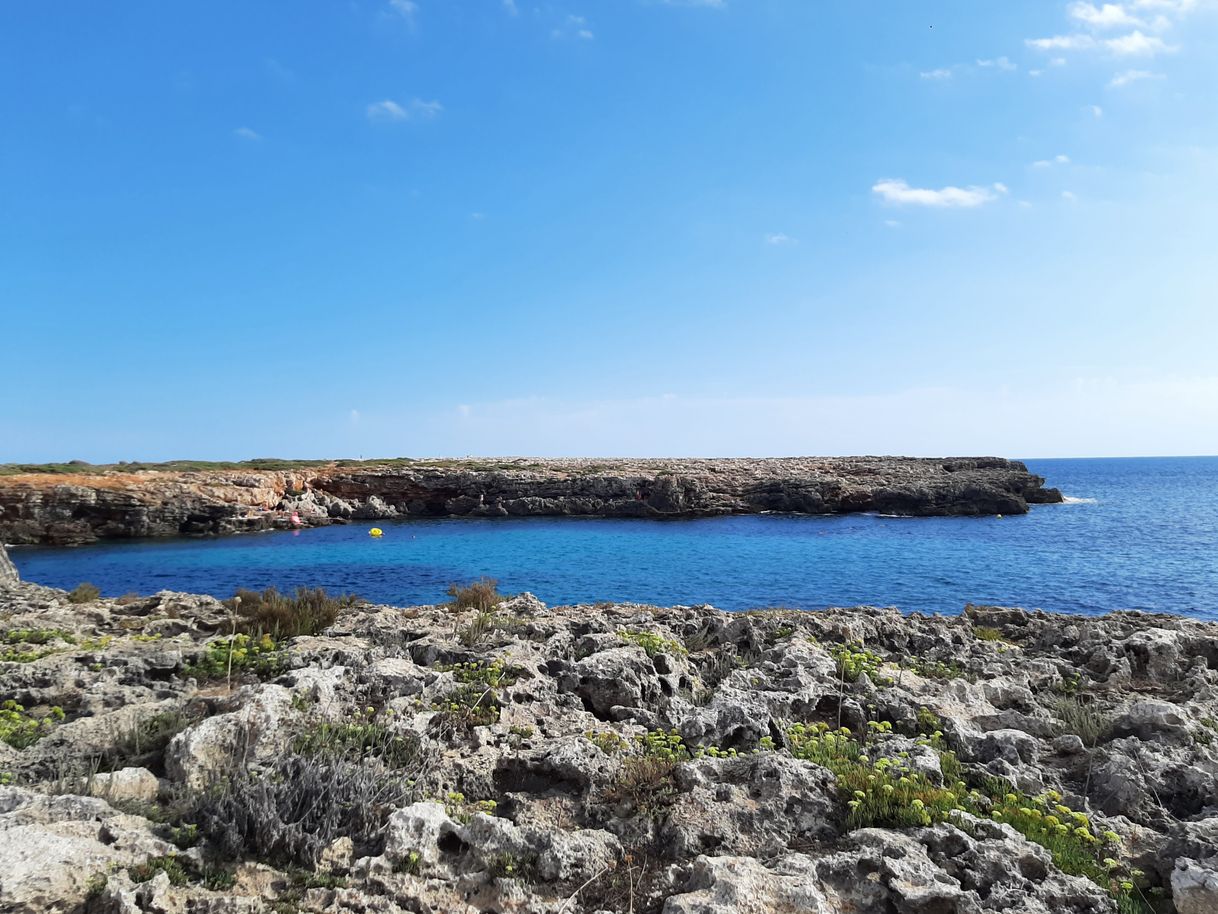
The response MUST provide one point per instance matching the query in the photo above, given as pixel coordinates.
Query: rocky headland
(80, 504)
(501, 755)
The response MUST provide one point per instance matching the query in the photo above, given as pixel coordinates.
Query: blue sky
(608, 227)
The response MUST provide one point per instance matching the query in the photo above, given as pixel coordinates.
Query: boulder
(1194, 886)
(743, 885)
(52, 847)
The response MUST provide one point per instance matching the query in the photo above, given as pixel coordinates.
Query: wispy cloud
(247, 133)
(1049, 163)
(1094, 110)
(898, 192)
(779, 239)
(510, 6)
(941, 73)
(573, 27)
(1062, 43)
(416, 108)
(1132, 76)
(998, 63)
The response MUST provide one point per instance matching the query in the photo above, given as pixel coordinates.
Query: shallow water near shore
(1135, 534)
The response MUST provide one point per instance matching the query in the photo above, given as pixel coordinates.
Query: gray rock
(1194, 886)
(8, 571)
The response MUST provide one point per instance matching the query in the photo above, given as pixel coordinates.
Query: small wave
(1071, 500)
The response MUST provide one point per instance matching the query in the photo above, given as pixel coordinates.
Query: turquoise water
(1143, 533)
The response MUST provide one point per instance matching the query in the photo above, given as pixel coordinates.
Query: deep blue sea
(1137, 533)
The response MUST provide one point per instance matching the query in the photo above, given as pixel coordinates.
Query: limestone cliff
(98, 503)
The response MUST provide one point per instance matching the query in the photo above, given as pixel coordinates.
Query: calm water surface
(1138, 533)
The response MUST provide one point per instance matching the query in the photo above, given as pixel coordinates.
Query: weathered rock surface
(421, 759)
(93, 504)
(8, 571)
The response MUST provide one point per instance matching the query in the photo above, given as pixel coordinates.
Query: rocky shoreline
(506, 756)
(87, 503)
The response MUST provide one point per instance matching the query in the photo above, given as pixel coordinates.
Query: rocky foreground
(568, 760)
(87, 503)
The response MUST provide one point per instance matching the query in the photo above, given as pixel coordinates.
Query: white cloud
(1131, 76)
(779, 239)
(940, 73)
(892, 223)
(510, 6)
(389, 110)
(898, 192)
(247, 133)
(1094, 110)
(1069, 196)
(1049, 163)
(1078, 42)
(1106, 16)
(353, 417)
(1138, 44)
(998, 63)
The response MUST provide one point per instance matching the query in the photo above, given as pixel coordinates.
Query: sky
(608, 227)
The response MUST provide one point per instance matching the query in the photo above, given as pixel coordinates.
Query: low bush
(1080, 717)
(482, 595)
(289, 813)
(853, 660)
(654, 643)
(83, 593)
(370, 738)
(308, 611)
(20, 728)
(239, 655)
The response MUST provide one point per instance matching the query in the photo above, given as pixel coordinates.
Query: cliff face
(78, 508)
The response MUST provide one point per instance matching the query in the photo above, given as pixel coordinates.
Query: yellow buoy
(376, 531)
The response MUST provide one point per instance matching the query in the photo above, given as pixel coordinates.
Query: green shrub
(37, 636)
(985, 633)
(469, 705)
(20, 729)
(645, 783)
(368, 738)
(937, 669)
(482, 595)
(171, 865)
(853, 660)
(493, 675)
(1080, 717)
(477, 629)
(83, 593)
(307, 612)
(242, 653)
(653, 643)
(608, 741)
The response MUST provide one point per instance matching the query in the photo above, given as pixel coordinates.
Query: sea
(1134, 533)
